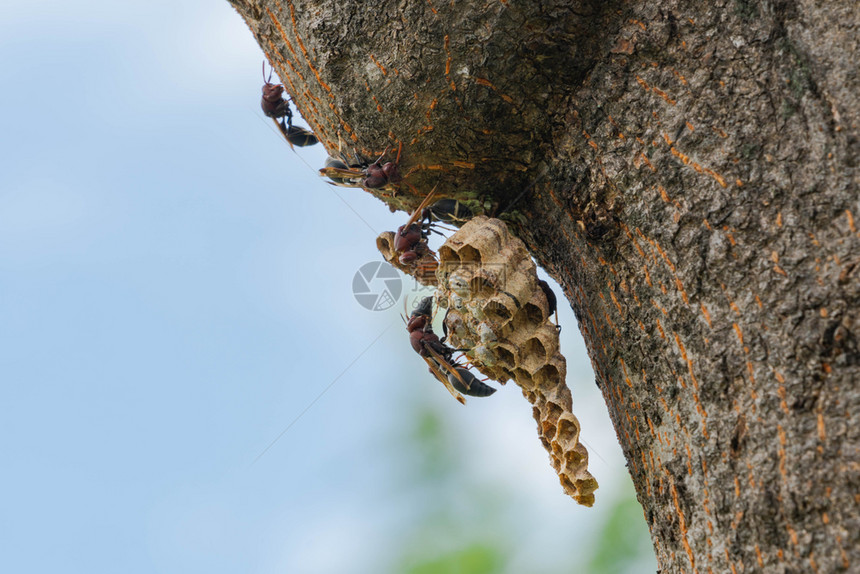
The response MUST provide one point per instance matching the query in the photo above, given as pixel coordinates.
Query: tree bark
(688, 173)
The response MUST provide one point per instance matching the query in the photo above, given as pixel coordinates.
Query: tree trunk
(688, 173)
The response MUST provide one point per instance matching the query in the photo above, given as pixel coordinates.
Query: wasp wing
(446, 366)
(416, 215)
(440, 376)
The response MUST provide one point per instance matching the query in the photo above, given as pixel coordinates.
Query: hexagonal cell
(573, 458)
(568, 429)
(486, 334)
(547, 428)
(497, 312)
(484, 355)
(523, 379)
(567, 485)
(449, 257)
(503, 316)
(467, 253)
(460, 283)
(385, 244)
(506, 357)
(423, 269)
(502, 375)
(534, 348)
(455, 325)
(552, 412)
(482, 285)
(529, 316)
(547, 376)
(534, 313)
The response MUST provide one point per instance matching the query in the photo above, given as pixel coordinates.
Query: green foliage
(436, 453)
(622, 542)
(458, 526)
(475, 558)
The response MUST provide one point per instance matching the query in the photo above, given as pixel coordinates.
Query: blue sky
(175, 289)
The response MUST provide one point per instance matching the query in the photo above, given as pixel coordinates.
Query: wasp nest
(422, 269)
(497, 310)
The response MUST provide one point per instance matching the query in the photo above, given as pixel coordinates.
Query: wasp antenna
(383, 155)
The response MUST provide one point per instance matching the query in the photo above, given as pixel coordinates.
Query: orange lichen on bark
(448, 61)
(850, 217)
(304, 50)
(489, 84)
(688, 361)
(738, 333)
(310, 65)
(792, 533)
(729, 560)
(782, 442)
(781, 392)
(660, 329)
(680, 287)
(615, 300)
(682, 522)
(647, 276)
(642, 158)
(663, 95)
(657, 305)
(706, 314)
(378, 65)
(685, 159)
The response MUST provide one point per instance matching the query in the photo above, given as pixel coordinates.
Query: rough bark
(688, 173)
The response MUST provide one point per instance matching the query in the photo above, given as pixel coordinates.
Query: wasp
(277, 107)
(410, 240)
(439, 356)
(375, 175)
(551, 301)
(345, 171)
(449, 211)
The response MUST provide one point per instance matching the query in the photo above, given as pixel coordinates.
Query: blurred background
(187, 383)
